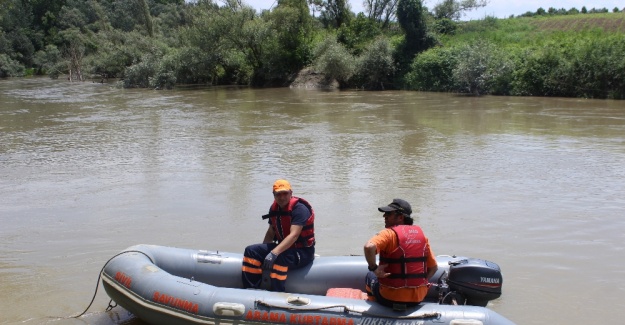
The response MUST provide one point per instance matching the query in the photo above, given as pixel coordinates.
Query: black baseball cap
(397, 205)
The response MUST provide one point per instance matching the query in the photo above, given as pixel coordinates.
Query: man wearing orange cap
(289, 241)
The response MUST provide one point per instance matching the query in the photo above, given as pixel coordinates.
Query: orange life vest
(281, 223)
(406, 263)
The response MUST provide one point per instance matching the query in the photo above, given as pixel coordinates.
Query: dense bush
(50, 61)
(334, 61)
(375, 67)
(10, 67)
(540, 73)
(445, 26)
(432, 70)
(591, 66)
(116, 51)
(358, 33)
(481, 68)
(598, 67)
(140, 73)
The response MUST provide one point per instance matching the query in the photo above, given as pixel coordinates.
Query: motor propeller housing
(477, 280)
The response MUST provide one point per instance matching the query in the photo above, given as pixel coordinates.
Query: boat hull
(166, 285)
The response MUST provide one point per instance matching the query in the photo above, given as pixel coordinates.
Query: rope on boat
(98, 284)
(111, 306)
(347, 309)
(420, 316)
(262, 303)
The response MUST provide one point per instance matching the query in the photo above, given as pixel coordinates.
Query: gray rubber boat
(170, 286)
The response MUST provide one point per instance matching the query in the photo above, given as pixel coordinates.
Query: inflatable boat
(171, 286)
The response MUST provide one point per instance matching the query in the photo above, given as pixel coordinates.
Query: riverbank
(171, 43)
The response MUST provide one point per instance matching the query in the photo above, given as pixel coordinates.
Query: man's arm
(432, 266)
(269, 236)
(299, 217)
(289, 240)
(431, 271)
(371, 250)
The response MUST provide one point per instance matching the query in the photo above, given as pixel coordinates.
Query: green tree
(46, 15)
(382, 11)
(122, 14)
(71, 17)
(432, 70)
(454, 9)
(411, 18)
(335, 13)
(230, 39)
(481, 68)
(334, 61)
(292, 28)
(358, 33)
(21, 41)
(147, 18)
(74, 48)
(376, 67)
(49, 61)
(116, 50)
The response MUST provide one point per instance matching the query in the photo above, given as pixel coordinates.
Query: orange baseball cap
(281, 185)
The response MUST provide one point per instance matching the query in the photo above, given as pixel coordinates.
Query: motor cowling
(479, 281)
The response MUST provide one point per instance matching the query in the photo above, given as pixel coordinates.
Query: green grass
(535, 31)
(570, 56)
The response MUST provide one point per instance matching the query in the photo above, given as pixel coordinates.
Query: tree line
(394, 44)
(562, 11)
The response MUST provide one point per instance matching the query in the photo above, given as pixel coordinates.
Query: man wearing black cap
(406, 259)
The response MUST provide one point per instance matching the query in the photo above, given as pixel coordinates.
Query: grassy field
(608, 22)
(537, 30)
(568, 56)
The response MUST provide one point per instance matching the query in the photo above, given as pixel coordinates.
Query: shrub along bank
(568, 56)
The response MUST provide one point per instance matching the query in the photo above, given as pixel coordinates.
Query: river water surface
(536, 185)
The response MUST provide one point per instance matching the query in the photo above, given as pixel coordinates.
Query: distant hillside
(609, 22)
(536, 30)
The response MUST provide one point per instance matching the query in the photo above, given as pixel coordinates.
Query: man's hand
(380, 272)
(269, 260)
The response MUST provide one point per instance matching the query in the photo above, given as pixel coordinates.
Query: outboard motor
(473, 281)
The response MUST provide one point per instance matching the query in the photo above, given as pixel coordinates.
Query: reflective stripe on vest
(407, 263)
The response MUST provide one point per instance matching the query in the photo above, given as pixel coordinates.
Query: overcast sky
(497, 8)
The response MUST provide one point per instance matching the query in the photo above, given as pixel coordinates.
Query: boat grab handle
(228, 309)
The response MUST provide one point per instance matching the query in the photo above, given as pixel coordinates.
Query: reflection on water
(534, 184)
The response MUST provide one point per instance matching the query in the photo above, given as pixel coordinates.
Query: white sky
(497, 8)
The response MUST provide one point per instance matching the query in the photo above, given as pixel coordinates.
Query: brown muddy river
(536, 185)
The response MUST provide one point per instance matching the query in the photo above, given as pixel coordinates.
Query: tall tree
(147, 18)
(293, 26)
(382, 11)
(20, 39)
(454, 9)
(334, 13)
(411, 18)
